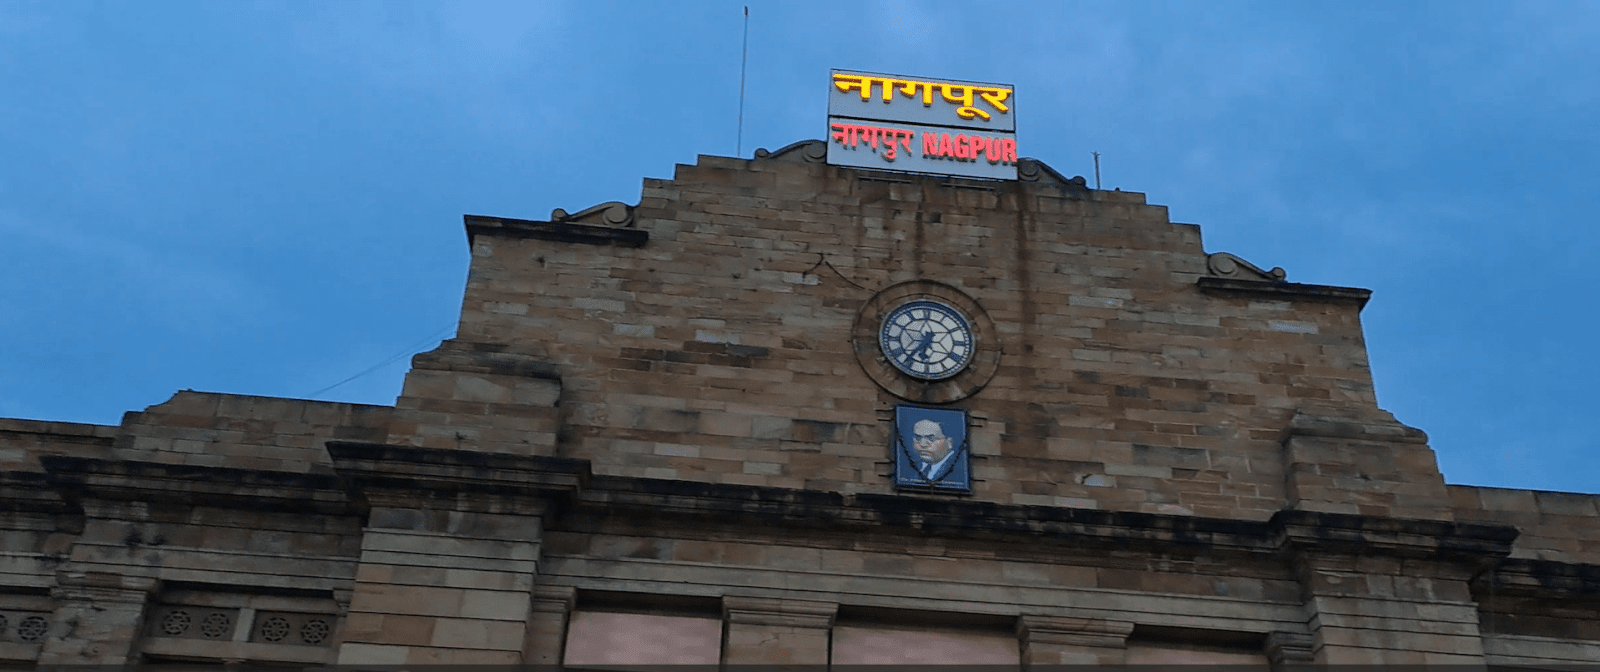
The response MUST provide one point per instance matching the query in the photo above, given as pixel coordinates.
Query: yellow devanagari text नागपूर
(964, 96)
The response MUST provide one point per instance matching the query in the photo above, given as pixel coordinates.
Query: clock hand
(924, 344)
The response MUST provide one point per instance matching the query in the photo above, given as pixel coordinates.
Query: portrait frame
(952, 472)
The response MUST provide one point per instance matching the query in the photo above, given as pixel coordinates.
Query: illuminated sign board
(921, 125)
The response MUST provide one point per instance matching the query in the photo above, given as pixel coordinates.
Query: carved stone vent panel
(295, 629)
(274, 629)
(175, 622)
(216, 625)
(23, 626)
(31, 628)
(190, 622)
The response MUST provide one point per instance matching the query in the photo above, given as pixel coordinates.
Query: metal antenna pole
(1096, 169)
(744, 53)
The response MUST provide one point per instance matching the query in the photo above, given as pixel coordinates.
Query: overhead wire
(410, 350)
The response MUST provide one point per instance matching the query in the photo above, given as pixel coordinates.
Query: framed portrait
(931, 450)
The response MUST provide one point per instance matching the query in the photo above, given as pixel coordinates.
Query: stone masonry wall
(663, 408)
(1556, 526)
(720, 350)
(246, 432)
(104, 526)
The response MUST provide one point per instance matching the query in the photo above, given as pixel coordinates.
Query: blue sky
(266, 198)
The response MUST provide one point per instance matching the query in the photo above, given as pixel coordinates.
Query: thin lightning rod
(744, 52)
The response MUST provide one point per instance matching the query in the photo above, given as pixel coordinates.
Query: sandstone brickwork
(675, 413)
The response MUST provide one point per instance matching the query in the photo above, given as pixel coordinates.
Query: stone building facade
(664, 433)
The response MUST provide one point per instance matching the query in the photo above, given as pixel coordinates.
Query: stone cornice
(30, 492)
(564, 232)
(75, 478)
(1540, 578)
(976, 520)
(448, 479)
(473, 358)
(1312, 424)
(1338, 533)
(471, 480)
(1285, 291)
(362, 472)
(104, 587)
(443, 476)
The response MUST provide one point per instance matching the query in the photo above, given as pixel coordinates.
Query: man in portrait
(931, 448)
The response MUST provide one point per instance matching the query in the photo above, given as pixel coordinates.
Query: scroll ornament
(805, 151)
(1224, 265)
(610, 213)
(1034, 170)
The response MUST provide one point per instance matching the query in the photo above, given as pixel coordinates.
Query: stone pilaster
(449, 554)
(1382, 591)
(769, 631)
(1368, 615)
(97, 618)
(546, 636)
(1056, 640)
(442, 587)
(1288, 650)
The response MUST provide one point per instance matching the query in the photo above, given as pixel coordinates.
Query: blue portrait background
(910, 470)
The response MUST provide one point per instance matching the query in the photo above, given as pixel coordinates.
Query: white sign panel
(922, 149)
(939, 126)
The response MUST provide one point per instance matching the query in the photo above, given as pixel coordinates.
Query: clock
(927, 340)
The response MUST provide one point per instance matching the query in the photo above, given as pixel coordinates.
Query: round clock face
(926, 340)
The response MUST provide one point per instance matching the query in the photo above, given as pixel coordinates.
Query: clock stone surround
(977, 373)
